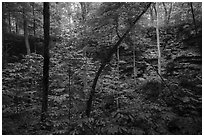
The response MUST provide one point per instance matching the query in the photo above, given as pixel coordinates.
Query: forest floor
(120, 106)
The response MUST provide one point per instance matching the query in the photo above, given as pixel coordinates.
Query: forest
(101, 68)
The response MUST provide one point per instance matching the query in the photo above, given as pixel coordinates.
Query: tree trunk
(83, 10)
(165, 13)
(4, 46)
(70, 103)
(9, 20)
(17, 32)
(118, 70)
(85, 71)
(193, 16)
(107, 60)
(83, 14)
(25, 25)
(158, 45)
(134, 65)
(34, 27)
(169, 14)
(92, 94)
(46, 26)
(118, 57)
(151, 16)
(155, 10)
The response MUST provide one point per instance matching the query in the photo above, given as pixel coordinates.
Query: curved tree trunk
(107, 60)
(193, 16)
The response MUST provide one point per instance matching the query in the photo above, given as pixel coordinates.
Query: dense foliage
(124, 102)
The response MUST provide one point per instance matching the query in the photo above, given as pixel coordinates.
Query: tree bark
(108, 58)
(155, 10)
(4, 46)
(34, 26)
(134, 65)
(118, 57)
(118, 70)
(151, 15)
(167, 14)
(46, 26)
(165, 11)
(193, 16)
(158, 45)
(83, 10)
(25, 25)
(17, 32)
(70, 103)
(83, 14)
(9, 20)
